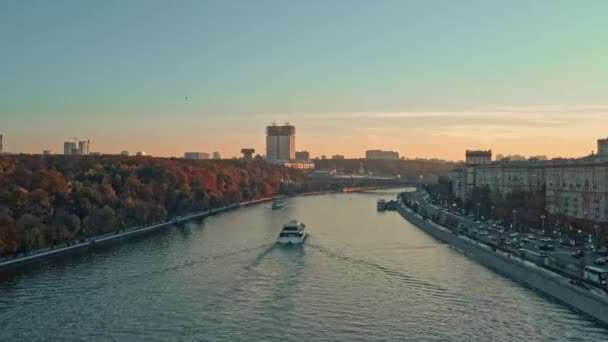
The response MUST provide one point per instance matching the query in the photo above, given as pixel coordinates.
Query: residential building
(574, 188)
(46, 152)
(302, 155)
(280, 143)
(216, 155)
(378, 154)
(84, 147)
(196, 155)
(602, 147)
(124, 153)
(140, 153)
(337, 156)
(69, 148)
(578, 190)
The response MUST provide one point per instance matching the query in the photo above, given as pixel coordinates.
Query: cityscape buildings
(196, 155)
(302, 155)
(378, 154)
(573, 188)
(216, 155)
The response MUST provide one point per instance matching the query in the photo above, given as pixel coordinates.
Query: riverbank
(139, 230)
(588, 301)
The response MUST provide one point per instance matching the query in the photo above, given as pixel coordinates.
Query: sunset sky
(425, 78)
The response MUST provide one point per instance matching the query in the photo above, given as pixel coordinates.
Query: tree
(100, 221)
(10, 239)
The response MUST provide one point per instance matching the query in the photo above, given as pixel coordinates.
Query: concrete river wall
(592, 302)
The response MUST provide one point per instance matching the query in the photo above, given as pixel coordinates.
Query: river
(361, 276)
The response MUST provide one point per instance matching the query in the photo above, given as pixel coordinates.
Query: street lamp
(478, 206)
(542, 217)
(596, 230)
(514, 220)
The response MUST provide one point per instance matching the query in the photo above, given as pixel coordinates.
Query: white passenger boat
(278, 204)
(293, 233)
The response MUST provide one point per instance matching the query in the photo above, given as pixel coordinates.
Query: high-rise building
(337, 156)
(247, 153)
(378, 154)
(280, 143)
(84, 147)
(602, 147)
(302, 155)
(196, 155)
(216, 155)
(69, 148)
(124, 153)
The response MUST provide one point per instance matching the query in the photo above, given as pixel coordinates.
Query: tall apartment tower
(69, 148)
(602, 147)
(84, 147)
(280, 143)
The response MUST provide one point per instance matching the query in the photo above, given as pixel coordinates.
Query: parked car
(600, 261)
(579, 253)
(546, 247)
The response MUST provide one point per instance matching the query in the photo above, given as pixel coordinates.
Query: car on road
(546, 247)
(579, 253)
(600, 261)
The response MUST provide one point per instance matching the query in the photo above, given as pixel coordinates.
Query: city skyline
(405, 76)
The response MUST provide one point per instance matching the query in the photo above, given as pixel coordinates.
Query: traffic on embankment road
(544, 251)
(587, 295)
(539, 248)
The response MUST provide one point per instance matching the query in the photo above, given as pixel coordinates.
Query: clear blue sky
(427, 78)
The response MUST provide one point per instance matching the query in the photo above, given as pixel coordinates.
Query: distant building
(46, 152)
(69, 148)
(280, 143)
(302, 155)
(196, 155)
(476, 157)
(602, 147)
(337, 156)
(124, 153)
(94, 153)
(258, 157)
(84, 147)
(1, 143)
(216, 155)
(323, 157)
(140, 153)
(248, 153)
(378, 154)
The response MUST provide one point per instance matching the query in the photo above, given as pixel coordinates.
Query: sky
(426, 78)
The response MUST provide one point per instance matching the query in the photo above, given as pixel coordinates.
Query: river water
(361, 276)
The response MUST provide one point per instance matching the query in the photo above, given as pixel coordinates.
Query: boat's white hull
(292, 240)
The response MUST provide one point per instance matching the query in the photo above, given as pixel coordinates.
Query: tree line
(48, 200)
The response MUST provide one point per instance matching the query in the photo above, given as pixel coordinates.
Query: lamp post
(478, 206)
(542, 217)
(514, 220)
(596, 230)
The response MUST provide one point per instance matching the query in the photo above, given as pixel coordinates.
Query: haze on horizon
(426, 78)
